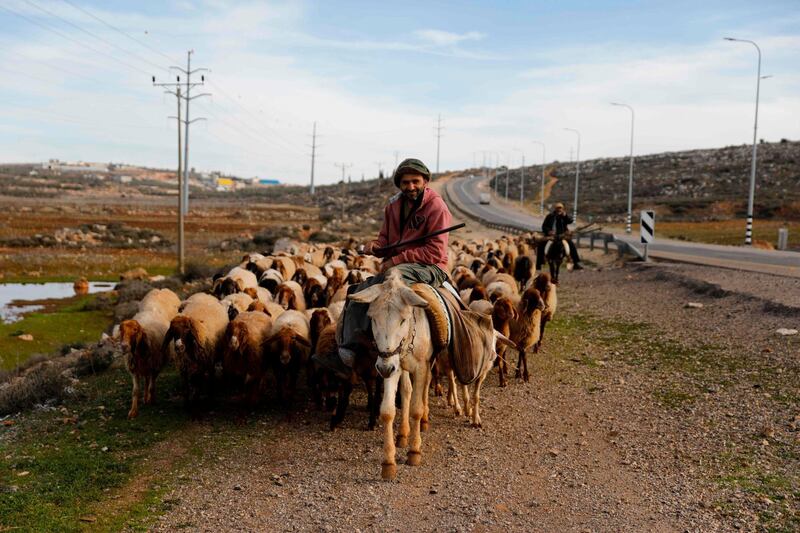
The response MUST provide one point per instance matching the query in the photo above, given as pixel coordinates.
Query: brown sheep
(195, 336)
(503, 313)
(288, 348)
(525, 329)
(290, 296)
(314, 291)
(142, 338)
(547, 289)
(242, 356)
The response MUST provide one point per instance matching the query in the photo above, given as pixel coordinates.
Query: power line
(67, 37)
(132, 38)
(92, 34)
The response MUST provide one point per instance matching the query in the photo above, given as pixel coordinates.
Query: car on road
(485, 198)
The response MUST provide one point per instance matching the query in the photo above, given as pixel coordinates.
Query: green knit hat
(411, 166)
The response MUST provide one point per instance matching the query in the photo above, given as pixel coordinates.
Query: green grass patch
(71, 322)
(75, 457)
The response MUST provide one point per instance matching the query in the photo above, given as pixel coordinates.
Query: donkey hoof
(133, 413)
(477, 425)
(414, 459)
(388, 472)
(424, 425)
(402, 441)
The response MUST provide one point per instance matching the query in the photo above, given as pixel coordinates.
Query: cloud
(446, 38)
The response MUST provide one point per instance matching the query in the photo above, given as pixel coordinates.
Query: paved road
(465, 191)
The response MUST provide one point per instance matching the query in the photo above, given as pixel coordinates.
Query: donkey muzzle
(385, 368)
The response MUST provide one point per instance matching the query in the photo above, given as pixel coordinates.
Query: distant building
(58, 166)
(267, 181)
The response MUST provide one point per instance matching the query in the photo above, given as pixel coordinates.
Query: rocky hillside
(692, 185)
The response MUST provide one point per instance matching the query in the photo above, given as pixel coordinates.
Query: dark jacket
(556, 223)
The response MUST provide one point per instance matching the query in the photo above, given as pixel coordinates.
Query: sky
(75, 81)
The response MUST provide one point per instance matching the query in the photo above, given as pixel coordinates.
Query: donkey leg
(452, 393)
(405, 399)
(467, 401)
(134, 412)
(389, 465)
(501, 367)
(476, 402)
(417, 410)
(426, 412)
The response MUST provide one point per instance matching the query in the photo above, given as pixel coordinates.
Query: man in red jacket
(415, 211)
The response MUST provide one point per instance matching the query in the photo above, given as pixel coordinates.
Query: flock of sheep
(261, 322)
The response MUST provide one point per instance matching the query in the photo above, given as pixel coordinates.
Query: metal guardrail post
(591, 241)
(605, 244)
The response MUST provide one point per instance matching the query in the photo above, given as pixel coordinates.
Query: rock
(134, 273)
(693, 305)
(786, 331)
(25, 337)
(553, 452)
(81, 286)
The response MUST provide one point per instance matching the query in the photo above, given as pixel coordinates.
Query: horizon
(375, 79)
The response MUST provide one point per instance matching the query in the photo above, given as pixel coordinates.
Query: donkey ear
(367, 295)
(502, 339)
(413, 299)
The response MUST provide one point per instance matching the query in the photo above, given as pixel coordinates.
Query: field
(209, 223)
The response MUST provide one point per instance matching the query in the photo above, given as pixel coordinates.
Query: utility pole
(577, 174)
(313, 154)
(438, 140)
(189, 85)
(508, 171)
(177, 93)
(343, 166)
(396, 155)
(541, 199)
(522, 182)
(380, 166)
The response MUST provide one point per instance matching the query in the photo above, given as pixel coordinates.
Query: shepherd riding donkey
(558, 243)
(412, 326)
(412, 243)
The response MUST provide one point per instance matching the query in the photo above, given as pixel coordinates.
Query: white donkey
(403, 338)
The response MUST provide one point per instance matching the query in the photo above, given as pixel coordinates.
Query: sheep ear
(366, 296)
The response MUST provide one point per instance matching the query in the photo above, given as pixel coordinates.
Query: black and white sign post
(647, 226)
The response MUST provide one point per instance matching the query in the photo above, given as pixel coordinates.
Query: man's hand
(386, 265)
(369, 248)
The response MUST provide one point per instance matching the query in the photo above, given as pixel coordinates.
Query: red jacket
(431, 215)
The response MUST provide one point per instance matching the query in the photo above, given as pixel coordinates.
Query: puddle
(17, 299)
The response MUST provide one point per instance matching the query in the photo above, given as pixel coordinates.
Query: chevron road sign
(647, 226)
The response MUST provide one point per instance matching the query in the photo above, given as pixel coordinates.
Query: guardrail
(607, 239)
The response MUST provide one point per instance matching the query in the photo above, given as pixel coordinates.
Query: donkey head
(391, 310)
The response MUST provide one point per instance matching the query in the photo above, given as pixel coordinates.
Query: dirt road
(642, 415)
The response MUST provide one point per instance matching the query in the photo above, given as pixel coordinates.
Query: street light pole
(577, 174)
(508, 171)
(521, 178)
(541, 199)
(748, 234)
(630, 174)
